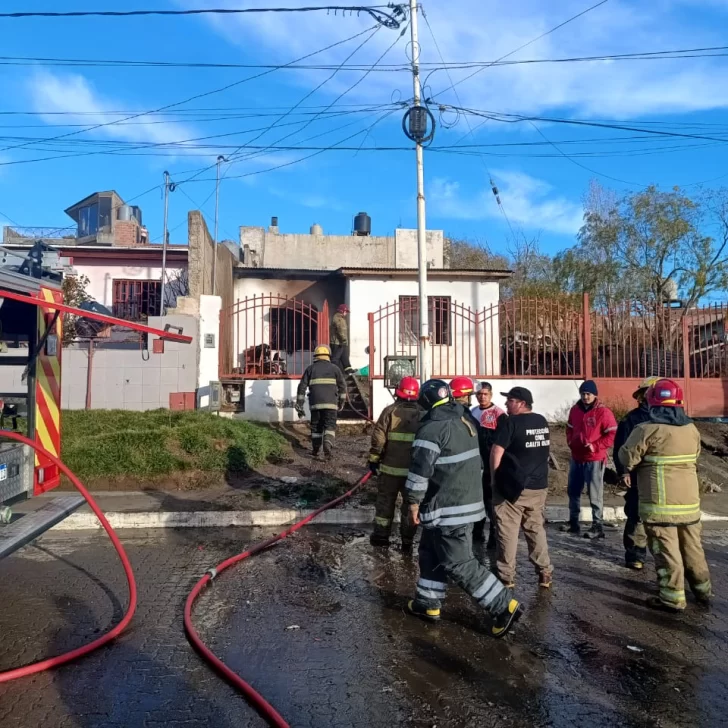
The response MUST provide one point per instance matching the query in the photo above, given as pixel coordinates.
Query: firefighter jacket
(594, 426)
(664, 458)
(325, 384)
(393, 436)
(625, 428)
(444, 476)
(339, 335)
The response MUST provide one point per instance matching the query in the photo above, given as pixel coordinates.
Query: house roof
(109, 252)
(317, 274)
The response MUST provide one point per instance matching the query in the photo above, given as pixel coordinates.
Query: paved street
(316, 624)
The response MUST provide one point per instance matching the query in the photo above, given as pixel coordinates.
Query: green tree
(74, 294)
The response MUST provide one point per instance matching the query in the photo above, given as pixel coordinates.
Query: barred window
(438, 318)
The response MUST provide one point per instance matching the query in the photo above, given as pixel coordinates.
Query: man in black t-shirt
(519, 466)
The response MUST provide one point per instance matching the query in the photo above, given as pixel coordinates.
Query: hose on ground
(253, 697)
(113, 633)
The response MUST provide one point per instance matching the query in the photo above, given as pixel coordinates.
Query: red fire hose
(111, 634)
(268, 712)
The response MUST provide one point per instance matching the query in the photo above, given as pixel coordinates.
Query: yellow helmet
(322, 352)
(645, 384)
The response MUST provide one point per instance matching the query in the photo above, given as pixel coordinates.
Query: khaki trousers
(526, 512)
(678, 554)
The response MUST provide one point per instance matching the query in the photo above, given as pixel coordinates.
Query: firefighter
(663, 453)
(635, 538)
(488, 415)
(389, 458)
(445, 496)
(326, 397)
(340, 340)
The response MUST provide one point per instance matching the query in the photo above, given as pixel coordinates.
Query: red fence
(270, 336)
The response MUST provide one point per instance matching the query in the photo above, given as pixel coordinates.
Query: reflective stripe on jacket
(325, 384)
(664, 459)
(393, 436)
(444, 477)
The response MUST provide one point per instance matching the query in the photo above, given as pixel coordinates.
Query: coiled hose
(268, 712)
(124, 623)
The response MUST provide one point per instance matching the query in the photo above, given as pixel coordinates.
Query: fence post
(323, 324)
(478, 373)
(686, 362)
(587, 343)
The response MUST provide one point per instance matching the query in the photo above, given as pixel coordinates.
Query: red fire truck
(31, 311)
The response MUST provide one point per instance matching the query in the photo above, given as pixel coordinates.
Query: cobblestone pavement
(316, 624)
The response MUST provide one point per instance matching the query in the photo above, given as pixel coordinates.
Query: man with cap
(635, 538)
(590, 432)
(488, 415)
(444, 495)
(340, 340)
(519, 466)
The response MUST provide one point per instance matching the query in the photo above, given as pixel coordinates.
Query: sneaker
(657, 603)
(418, 610)
(545, 579)
(595, 532)
(570, 528)
(635, 565)
(503, 623)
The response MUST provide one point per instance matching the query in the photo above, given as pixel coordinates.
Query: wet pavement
(317, 625)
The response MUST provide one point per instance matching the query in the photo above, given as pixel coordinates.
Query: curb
(283, 517)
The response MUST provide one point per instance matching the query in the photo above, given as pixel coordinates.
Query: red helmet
(665, 393)
(342, 308)
(409, 389)
(461, 387)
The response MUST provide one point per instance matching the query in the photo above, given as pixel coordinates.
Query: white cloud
(75, 95)
(531, 203)
(483, 30)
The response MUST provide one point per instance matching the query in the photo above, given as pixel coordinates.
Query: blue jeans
(591, 476)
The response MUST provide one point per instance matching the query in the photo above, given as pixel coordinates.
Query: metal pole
(421, 220)
(164, 243)
(217, 207)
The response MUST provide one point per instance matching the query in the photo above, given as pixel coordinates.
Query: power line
(525, 45)
(202, 95)
(390, 19)
(706, 52)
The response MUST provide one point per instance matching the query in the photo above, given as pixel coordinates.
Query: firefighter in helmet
(326, 397)
(663, 453)
(635, 538)
(389, 458)
(444, 494)
(340, 340)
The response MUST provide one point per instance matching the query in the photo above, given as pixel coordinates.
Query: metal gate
(270, 336)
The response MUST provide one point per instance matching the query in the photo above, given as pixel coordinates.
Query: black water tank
(362, 224)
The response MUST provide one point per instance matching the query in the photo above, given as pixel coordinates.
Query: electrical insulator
(495, 190)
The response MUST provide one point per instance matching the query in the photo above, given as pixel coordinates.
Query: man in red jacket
(590, 432)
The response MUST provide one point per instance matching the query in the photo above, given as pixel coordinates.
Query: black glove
(301, 412)
(374, 468)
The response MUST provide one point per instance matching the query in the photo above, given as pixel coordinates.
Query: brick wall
(126, 233)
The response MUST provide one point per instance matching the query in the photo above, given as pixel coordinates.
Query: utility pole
(424, 338)
(165, 234)
(217, 207)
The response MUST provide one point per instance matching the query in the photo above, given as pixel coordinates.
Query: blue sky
(540, 189)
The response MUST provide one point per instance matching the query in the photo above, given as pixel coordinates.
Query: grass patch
(108, 443)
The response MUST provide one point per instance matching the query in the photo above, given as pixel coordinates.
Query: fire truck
(31, 314)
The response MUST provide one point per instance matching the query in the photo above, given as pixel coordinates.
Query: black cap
(520, 393)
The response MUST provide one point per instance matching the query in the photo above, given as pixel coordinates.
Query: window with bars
(293, 329)
(136, 300)
(438, 318)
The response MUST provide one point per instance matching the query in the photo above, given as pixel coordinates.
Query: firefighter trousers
(479, 529)
(388, 488)
(679, 554)
(446, 554)
(635, 538)
(340, 357)
(323, 429)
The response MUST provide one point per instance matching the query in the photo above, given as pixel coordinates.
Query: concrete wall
(367, 295)
(266, 249)
(207, 356)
